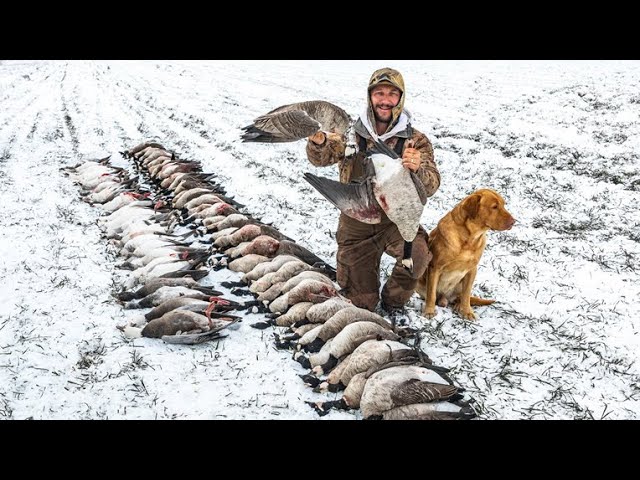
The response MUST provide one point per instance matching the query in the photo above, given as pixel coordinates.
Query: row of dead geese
(347, 348)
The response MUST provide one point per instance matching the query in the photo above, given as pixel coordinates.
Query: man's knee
(364, 300)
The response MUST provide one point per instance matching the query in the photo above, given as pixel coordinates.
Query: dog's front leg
(433, 275)
(464, 303)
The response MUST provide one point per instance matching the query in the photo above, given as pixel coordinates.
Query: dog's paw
(467, 314)
(429, 312)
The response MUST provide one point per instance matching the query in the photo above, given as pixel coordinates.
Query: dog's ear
(471, 205)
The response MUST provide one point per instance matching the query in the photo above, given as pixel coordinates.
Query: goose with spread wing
(297, 121)
(386, 187)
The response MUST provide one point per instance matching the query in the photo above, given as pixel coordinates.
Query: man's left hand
(411, 158)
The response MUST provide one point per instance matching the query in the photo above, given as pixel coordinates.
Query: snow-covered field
(559, 140)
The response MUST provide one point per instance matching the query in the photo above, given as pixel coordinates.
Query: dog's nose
(511, 223)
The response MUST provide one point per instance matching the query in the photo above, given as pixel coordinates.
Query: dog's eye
(495, 206)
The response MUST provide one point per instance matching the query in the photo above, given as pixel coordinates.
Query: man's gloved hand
(318, 138)
(411, 157)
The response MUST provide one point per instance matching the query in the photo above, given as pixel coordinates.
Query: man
(360, 245)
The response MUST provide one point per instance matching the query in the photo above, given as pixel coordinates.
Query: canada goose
(156, 283)
(233, 220)
(349, 338)
(140, 147)
(387, 187)
(247, 263)
(209, 198)
(286, 271)
(181, 322)
(212, 304)
(196, 338)
(248, 232)
(306, 275)
(350, 397)
(322, 312)
(368, 354)
(167, 293)
(181, 199)
(266, 267)
(306, 291)
(271, 293)
(403, 385)
(294, 314)
(297, 121)
(340, 320)
(181, 303)
(177, 321)
(156, 154)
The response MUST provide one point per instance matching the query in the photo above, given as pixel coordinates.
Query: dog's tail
(476, 302)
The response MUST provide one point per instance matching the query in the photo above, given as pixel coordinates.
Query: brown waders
(360, 248)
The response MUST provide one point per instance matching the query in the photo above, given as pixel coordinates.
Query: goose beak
(408, 264)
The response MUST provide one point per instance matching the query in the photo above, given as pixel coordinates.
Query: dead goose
(306, 291)
(261, 245)
(371, 353)
(403, 385)
(138, 148)
(296, 121)
(212, 219)
(266, 267)
(247, 263)
(263, 283)
(122, 199)
(430, 411)
(233, 220)
(350, 398)
(306, 275)
(322, 312)
(284, 273)
(349, 338)
(180, 321)
(156, 283)
(212, 304)
(294, 314)
(157, 156)
(180, 199)
(271, 293)
(181, 303)
(243, 234)
(387, 188)
(340, 320)
(164, 294)
(281, 283)
(197, 338)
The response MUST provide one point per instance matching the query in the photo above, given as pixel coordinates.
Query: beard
(388, 115)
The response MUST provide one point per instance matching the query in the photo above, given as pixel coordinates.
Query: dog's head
(486, 206)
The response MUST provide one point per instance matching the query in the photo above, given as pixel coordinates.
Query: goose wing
(297, 121)
(196, 338)
(417, 391)
(355, 200)
(286, 126)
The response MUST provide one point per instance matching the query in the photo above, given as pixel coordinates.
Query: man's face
(383, 99)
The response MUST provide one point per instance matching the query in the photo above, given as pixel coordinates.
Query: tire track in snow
(71, 129)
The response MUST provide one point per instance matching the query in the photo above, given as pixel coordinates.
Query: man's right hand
(318, 138)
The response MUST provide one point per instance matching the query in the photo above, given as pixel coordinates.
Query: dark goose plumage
(297, 121)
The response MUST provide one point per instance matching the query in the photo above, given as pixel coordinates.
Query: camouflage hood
(392, 77)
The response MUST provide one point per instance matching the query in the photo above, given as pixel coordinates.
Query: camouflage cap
(387, 75)
(391, 77)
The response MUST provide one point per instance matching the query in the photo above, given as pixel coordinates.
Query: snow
(558, 139)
